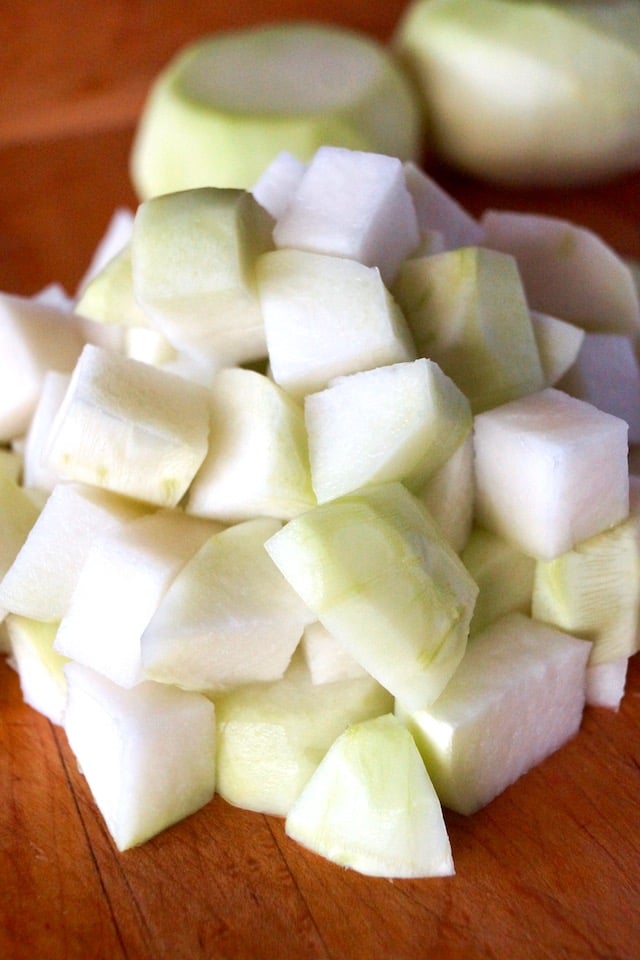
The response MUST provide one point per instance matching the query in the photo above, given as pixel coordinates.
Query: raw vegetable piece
(34, 338)
(606, 683)
(567, 270)
(126, 573)
(558, 344)
(437, 210)
(398, 422)
(371, 806)
(377, 573)
(551, 470)
(43, 575)
(108, 296)
(449, 495)
(352, 204)
(40, 667)
(276, 185)
(115, 238)
(257, 463)
(517, 696)
(325, 317)
(271, 736)
(226, 105)
(527, 93)
(593, 591)
(129, 428)
(467, 311)
(36, 473)
(504, 576)
(193, 259)
(18, 513)
(228, 618)
(607, 374)
(326, 659)
(148, 753)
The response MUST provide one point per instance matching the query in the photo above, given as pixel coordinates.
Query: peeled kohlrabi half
(228, 104)
(528, 92)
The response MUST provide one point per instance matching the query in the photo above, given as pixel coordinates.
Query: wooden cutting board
(551, 869)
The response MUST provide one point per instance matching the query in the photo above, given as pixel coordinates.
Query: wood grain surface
(550, 869)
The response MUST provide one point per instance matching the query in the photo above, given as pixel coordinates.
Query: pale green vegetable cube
(559, 345)
(325, 317)
(376, 571)
(551, 470)
(517, 696)
(229, 616)
(109, 297)
(467, 311)
(129, 428)
(504, 576)
(257, 463)
(326, 659)
(148, 754)
(370, 806)
(272, 736)
(40, 667)
(193, 260)
(398, 422)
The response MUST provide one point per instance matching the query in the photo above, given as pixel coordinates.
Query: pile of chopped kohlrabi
(317, 496)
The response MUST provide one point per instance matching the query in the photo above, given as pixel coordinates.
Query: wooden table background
(549, 870)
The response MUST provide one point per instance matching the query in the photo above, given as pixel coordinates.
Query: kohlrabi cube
(606, 373)
(36, 473)
(593, 591)
(148, 754)
(558, 344)
(326, 659)
(126, 573)
(371, 806)
(115, 238)
(34, 338)
(109, 297)
(272, 736)
(41, 579)
(449, 495)
(193, 259)
(327, 316)
(18, 514)
(551, 470)
(376, 571)
(129, 428)
(467, 311)
(228, 618)
(40, 667)
(517, 696)
(352, 204)
(567, 270)
(276, 185)
(504, 576)
(606, 683)
(437, 210)
(257, 462)
(398, 422)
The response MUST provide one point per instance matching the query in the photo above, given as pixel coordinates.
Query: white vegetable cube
(109, 297)
(193, 257)
(517, 696)
(36, 473)
(272, 736)
(567, 270)
(278, 182)
(41, 579)
(467, 310)
(325, 317)
(326, 659)
(40, 667)
(257, 463)
(125, 574)
(11, 463)
(436, 210)
(398, 422)
(559, 345)
(551, 470)
(371, 806)
(148, 754)
(228, 618)
(353, 204)
(376, 571)
(449, 495)
(34, 338)
(130, 428)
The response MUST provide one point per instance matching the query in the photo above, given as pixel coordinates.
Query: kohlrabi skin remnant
(522, 92)
(228, 104)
